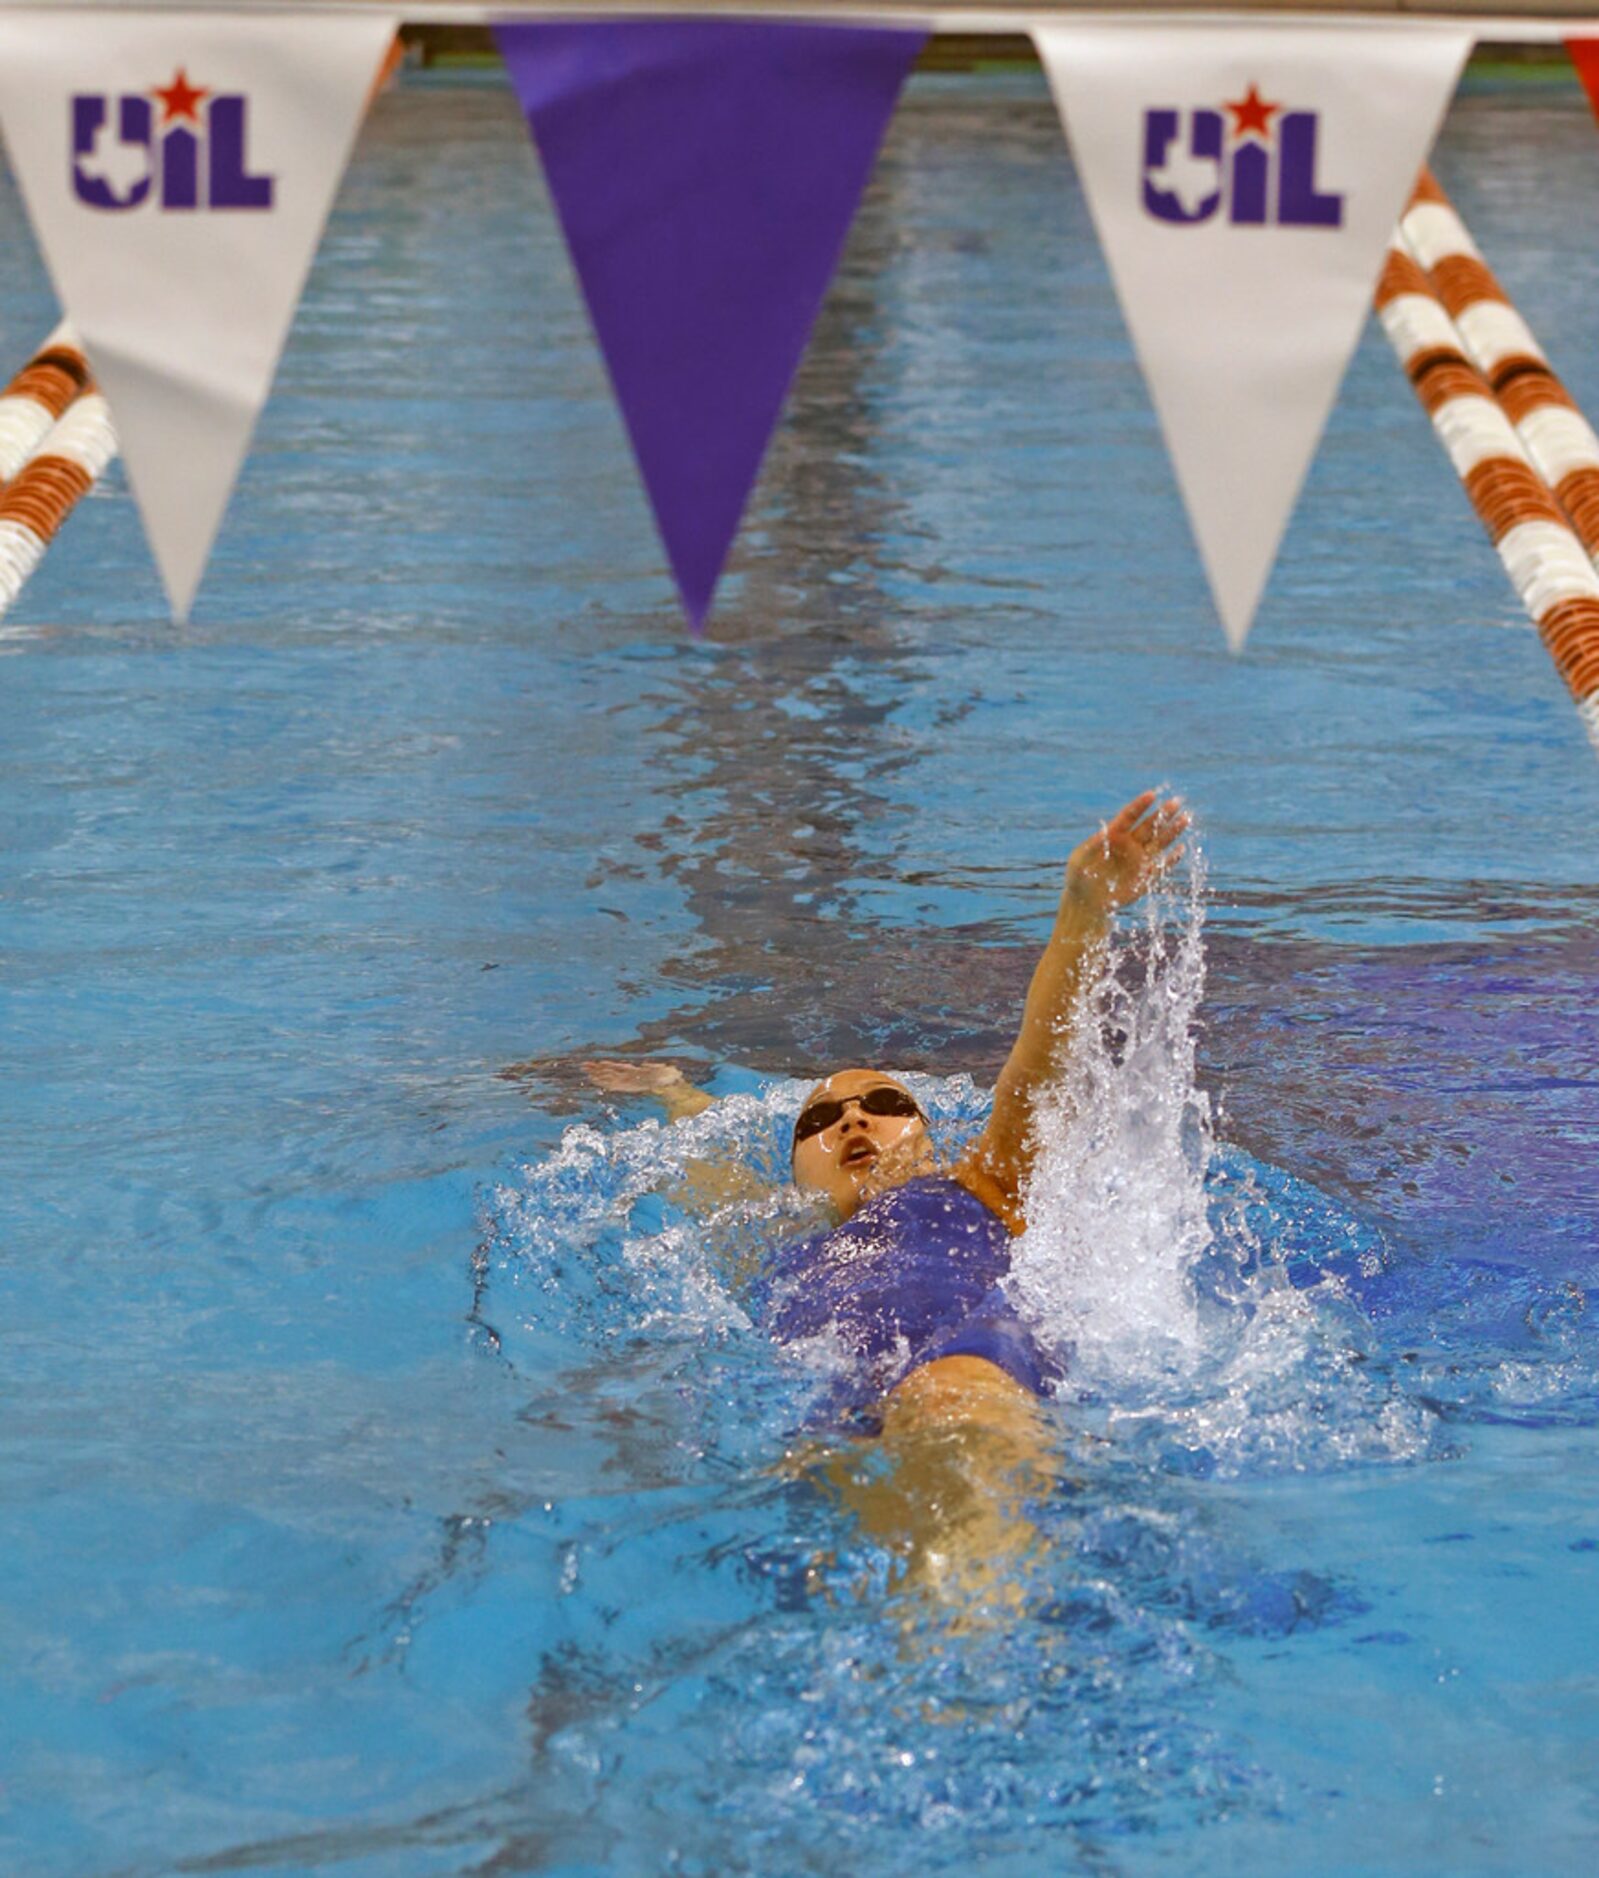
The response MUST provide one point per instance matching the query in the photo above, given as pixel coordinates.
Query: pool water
(390, 1477)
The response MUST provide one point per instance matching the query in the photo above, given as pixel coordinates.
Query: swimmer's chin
(875, 1174)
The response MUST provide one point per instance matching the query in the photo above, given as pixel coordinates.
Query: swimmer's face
(859, 1153)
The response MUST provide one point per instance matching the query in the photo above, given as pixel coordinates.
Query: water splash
(1198, 1299)
(1202, 1302)
(1118, 1211)
(1213, 1333)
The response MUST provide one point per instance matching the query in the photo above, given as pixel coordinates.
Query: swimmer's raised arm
(1111, 869)
(665, 1081)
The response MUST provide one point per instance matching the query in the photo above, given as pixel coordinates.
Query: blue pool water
(391, 1483)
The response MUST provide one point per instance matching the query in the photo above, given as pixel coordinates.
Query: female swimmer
(909, 1278)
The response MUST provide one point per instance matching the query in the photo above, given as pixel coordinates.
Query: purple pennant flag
(706, 172)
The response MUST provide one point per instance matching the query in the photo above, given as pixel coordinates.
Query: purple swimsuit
(913, 1276)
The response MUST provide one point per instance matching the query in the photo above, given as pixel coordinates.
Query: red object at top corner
(1585, 56)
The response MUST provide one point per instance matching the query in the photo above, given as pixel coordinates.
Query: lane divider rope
(1526, 456)
(56, 438)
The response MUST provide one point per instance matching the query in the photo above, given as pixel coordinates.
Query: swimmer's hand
(633, 1078)
(1120, 863)
(662, 1080)
(710, 1182)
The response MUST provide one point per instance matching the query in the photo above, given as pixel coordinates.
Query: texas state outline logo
(193, 158)
(1257, 171)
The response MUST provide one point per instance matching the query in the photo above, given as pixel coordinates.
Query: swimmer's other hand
(1129, 854)
(665, 1081)
(619, 1078)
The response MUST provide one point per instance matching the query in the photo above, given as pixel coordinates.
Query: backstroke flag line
(1244, 180)
(178, 169)
(706, 173)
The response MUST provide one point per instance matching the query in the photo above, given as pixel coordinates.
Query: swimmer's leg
(944, 1488)
(962, 1392)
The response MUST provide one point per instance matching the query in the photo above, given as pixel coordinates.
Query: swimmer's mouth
(857, 1152)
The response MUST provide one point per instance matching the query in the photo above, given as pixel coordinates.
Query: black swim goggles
(882, 1100)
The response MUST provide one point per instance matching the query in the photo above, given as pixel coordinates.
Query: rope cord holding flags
(1527, 458)
(56, 438)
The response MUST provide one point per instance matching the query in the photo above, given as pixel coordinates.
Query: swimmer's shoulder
(974, 1179)
(982, 1185)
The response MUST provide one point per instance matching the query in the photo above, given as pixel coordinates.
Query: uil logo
(1254, 171)
(192, 158)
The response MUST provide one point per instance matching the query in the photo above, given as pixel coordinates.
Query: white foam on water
(1181, 1285)
(1116, 1208)
(1159, 1293)
(613, 1232)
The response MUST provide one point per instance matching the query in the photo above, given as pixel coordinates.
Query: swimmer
(910, 1274)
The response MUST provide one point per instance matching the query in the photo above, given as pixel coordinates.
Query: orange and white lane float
(56, 438)
(37, 396)
(1515, 496)
(1559, 439)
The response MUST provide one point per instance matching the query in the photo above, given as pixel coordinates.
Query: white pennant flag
(1244, 180)
(178, 168)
